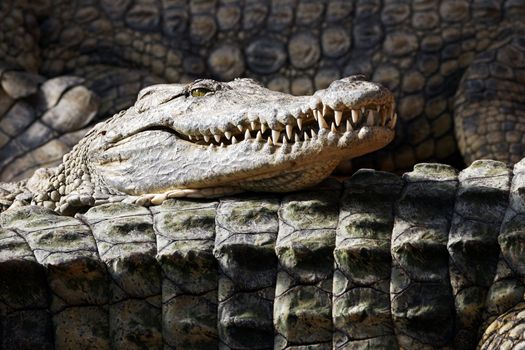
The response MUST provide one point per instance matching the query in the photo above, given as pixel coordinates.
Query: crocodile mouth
(306, 126)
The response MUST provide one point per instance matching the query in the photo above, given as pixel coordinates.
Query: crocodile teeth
(240, 127)
(289, 131)
(234, 140)
(252, 125)
(190, 137)
(378, 108)
(259, 136)
(247, 135)
(355, 116)
(228, 135)
(315, 113)
(300, 123)
(314, 134)
(333, 128)
(325, 109)
(263, 127)
(306, 137)
(217, 137)
(297, 138)
(363, 109)
(321, 122)
(206, 138)
(348, 125)
(275, 135)
(370, 118)
(269, 141)
(338, 117)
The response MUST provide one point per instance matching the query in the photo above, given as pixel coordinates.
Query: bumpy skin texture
(207, 138)
(449, 62)
(427, 261)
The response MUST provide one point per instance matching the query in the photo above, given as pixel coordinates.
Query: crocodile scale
(429, 260)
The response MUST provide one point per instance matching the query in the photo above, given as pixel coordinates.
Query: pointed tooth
(263, 127)
(234, 140)
(300, 123)
(314, 134)
(392, 123)
(333, 128)
(315, 114)
(355, 116)
(269, 141)
(206, 138)
(325, 109)
(378, 108)
(259, 136)
(253, 125)
(363, 110)
(322, 122)
(275, 135)
(217, 137)
(228, 135)
(370, 118)
(247, 135)
(338, 117)
(297, 138)
(190, 137)
(305, 136)
(222, 144)
(348, 126)
(240, 127)
(289, 131)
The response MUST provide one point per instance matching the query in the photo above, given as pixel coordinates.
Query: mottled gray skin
(452, 64)
(207, 139)
(430, 260)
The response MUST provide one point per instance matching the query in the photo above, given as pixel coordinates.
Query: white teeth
(263, 127)
(392, 123)
(378, 108)
(275, 135)
(190, 137)
(321, 122)
(315, 114)
(348, 125)
(269, 141)
(300, 123)
(234, 140)
(259, 136)
(305, 136)
(222, 144)
(338, 117)
(228, 135)
(252, 125)
(325, 109)
(314, 134)
(217, 137)
(333, 128)
(355, 116)
(289, 131)
(363, 109)
(247, 135)
(240, 127)
(370, 118)
(206, 138)
(297, 138)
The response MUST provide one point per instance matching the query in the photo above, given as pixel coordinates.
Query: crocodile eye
(197, 92)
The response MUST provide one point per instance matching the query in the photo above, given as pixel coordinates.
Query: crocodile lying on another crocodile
(432, 260)
(451, 64)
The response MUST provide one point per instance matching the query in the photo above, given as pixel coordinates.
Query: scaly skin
(207, 139)
(450, 63)
(430, 260)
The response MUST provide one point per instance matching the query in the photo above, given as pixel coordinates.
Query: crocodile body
(451, 64)
(431, 260)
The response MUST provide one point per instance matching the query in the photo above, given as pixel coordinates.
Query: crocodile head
(208, 137)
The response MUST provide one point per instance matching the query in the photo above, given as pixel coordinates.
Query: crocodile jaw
(276, 143)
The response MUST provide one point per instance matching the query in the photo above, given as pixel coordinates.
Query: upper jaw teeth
(306, 123)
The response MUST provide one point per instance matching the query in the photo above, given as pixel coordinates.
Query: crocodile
(211, 138)
(451, 64)
(430, 260)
